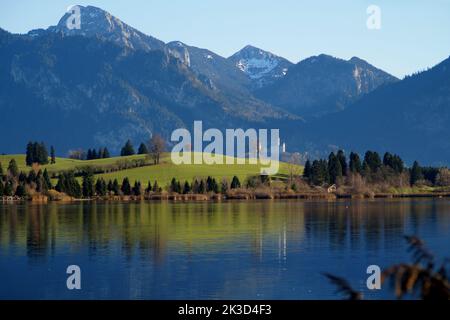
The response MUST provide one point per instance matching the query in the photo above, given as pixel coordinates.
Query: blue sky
(414, 35)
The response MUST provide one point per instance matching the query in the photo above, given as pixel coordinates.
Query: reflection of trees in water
(325, 223)
(394, 219)
(40, 238)
(152, 230)
(430, 211)
(10, 222)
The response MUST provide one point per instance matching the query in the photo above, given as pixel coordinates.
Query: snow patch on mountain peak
(261, 66)
(257, 68)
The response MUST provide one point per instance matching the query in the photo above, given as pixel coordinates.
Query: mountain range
(108, 82)
(411, 116)
(323, 84)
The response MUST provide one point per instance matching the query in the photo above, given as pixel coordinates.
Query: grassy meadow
(162, 172)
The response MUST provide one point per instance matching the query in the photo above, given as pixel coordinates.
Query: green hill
(163, 172)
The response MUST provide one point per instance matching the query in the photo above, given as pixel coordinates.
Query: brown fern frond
(421, 276)
(412, 279)
(343, 287)
(442, 271)
(419, 251)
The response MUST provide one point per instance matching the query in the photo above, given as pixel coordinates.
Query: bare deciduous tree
(78, 154)
(157, 146)
(443, 178)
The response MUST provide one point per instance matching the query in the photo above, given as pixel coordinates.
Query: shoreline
(228, 197)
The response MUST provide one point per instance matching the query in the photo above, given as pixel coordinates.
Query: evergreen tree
(366, 171)
(316, 173)
(8, 189)
(89, 155)
(127, 149)
(40, 187)
(176, 187)
(319, 172)
(105, 153)
(416, 173)
(397, 164)
(100, 187)
(215, 186)
(142, 149)
(29, 154)
(21, 191)
(173, 185)
(126, 187)
(115, 188)
(31, 177)
(156, 187)
(343, 161)
(68, 184)
(74, 186)
(430, 174)
(137, 188)
(1, 189)
(235, 183)
(47, 181)
(22, 177)
(324, 170)
(94, 154)
(373, 160)
(36, 153)
(202, 187)
(186, 188)
(209, 186)
(52, 155)
(387, 160)
(13, 170)
(394, 162)
(334, 168)
(307, 170)
(355, 163)
(88, 185)
(110, 186)
(149, 187)
(60, 185)
(42, 157)
(104, 187)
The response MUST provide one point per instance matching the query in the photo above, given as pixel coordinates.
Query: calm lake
(230, 250)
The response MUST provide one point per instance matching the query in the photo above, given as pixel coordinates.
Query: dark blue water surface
(229, 250)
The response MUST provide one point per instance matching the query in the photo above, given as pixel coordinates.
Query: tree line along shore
(334, 177)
